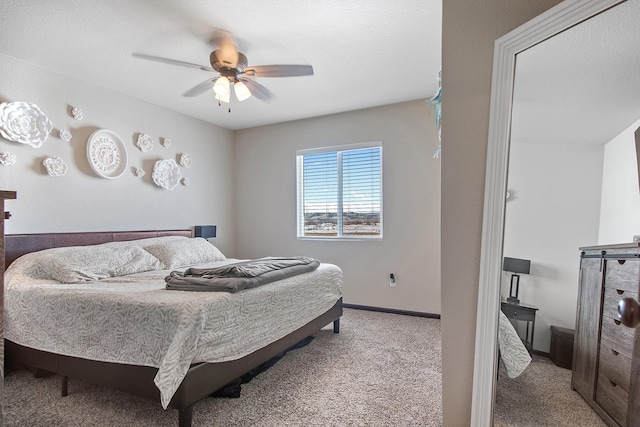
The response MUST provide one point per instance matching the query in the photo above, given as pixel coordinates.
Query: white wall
(620, 208)
(553, 210)
(265, 167)
(81, 201)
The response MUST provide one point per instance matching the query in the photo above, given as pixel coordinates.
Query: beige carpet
(541, 396)
(381, 370)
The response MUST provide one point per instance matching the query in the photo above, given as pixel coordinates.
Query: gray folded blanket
(240, 275)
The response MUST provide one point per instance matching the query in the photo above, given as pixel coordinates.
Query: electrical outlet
(392, 280)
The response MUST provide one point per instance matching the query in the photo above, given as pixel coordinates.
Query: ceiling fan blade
(171, 61)
(279, 70)
(201, 87)
(257, 89)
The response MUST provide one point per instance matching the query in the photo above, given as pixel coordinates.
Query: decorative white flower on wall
(166, 174)
(25, 123)
(140, 172)
(166, 142)
(55, 166)
(7, 159)
(186, 182)
(65, 135)
(144, 143)
(185, 160)
(76, 113)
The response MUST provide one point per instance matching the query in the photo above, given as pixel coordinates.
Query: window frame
(300, 222)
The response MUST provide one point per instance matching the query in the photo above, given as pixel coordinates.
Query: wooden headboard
(16, 245)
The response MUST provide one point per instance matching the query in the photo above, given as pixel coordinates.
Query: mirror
(502, 122)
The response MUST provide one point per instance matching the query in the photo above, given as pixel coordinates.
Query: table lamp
(205, 231)
(516, 266)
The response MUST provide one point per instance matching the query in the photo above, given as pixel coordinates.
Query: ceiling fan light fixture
(221, 88)
(224, 98)
(242, 91)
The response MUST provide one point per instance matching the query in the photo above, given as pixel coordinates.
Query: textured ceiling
(364, 53)
(583, 85)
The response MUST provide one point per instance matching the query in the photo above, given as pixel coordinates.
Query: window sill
(341, 239)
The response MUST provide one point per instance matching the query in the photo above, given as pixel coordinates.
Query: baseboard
(540, 353)
(391, 310)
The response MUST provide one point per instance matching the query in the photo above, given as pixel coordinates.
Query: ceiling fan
(234, 71)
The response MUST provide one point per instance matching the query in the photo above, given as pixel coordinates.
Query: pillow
(145, 242)
(77, 264)
(183, 253)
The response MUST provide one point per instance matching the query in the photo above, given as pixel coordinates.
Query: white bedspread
(513, 353)
(135, 320)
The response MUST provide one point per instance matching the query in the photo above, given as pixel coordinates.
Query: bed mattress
(134, 320)
(514, 354)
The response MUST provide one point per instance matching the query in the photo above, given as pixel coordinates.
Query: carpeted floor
(541, 396)
(381, 370)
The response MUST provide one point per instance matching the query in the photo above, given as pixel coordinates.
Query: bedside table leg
(533, 328)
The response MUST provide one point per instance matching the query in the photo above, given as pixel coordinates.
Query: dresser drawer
(615, 365)
(613, 399)
(618, 336)
(623, 274)
(611, 298)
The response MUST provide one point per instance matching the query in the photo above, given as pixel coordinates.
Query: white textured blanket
(513, 353)
(134, 320)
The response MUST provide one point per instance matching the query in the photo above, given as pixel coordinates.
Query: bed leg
(336, 326)
(65, 386)
(184, 416)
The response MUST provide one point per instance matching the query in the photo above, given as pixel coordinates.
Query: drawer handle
(621, 261)
(616, 321)
(619, 291)
(628, 312)
(615, 353)
(613, 384)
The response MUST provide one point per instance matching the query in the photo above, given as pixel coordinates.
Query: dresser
(606, 357)
(4, 195)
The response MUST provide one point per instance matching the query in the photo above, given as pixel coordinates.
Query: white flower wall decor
(186, 182)
(65, 135)
(185, 160)
(166, 142)
(139, 172)
(55, 166)
(144, 143)
(166, 174)
(76, 113)
(25, 123)
(7, 159)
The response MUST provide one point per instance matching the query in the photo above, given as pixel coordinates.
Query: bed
(128, 332)
(512, 351)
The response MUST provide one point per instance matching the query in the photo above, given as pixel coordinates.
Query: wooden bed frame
(201, 380)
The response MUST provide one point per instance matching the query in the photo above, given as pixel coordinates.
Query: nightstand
(522, 313)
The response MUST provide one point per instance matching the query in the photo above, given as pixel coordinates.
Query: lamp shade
(221, 87)
(242, 91)
(226, 98)
(205, 231)
(516, 265)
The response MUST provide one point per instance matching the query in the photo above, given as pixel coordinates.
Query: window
(340, 191)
